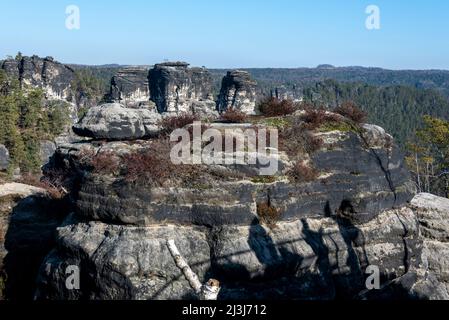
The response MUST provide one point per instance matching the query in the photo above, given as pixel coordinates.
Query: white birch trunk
(208, 291)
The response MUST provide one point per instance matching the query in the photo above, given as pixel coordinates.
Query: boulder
(4, 157)
(174, 87)
(238, 91)
(113, 121)
(376, 137)
(19, 189)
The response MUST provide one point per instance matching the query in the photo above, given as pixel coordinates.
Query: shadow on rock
(29, 238)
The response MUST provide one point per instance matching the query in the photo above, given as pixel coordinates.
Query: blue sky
(231, 33)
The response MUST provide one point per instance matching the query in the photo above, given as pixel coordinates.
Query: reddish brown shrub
(233, 116)
(273, 107)
(102, 162)
(351, 111)
(170, 124)
(268, 214)
(85, 157)
(54, 182)
(297, 138)
(152, 165)
(105, 162)
(302, 173)
(314, 118)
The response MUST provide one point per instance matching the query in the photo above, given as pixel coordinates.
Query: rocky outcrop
(355, 214)
(11, 194)
(53, 77)
(433, 217)
(176, 88)
(293, 93)
(115, 122)
(130, 87)
(46, 151)
(238, 91)
(4, 158)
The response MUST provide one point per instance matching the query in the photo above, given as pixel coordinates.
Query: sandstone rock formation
(46, 151)
(354, 215)
(287, 93)
(130, 87)
(238, 91)
(115, 122)
(433, 216)
(11, 195)
(53, 77)
(4, 157)
(175, 87)
(315, 239)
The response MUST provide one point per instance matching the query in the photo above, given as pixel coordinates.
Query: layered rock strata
(175, 87)
(238, 91)
(130, 87)
(354, 215)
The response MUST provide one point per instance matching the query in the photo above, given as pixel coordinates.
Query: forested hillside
(399, 109)
(27, 119)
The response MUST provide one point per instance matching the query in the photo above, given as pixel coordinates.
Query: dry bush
(268, 214)
(154, 167)
(233, 116)
(351, 111)
(302, 173)
(297, 138)
(85, 157)
(316, 117)
(105, 162)
(54, 182)
(150, 165)
(102, 162)
(170, 124)
(273, 107)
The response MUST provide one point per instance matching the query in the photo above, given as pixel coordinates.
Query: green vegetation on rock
(26, 120)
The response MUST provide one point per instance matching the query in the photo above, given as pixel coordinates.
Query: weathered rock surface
(330, 230)
(53, 77)
(293, 92)
(238, 91)
(115, 122)
(46, 151)
(12, 194)
(130, 87)
(4, 157)
(175, 87)
(433, 216)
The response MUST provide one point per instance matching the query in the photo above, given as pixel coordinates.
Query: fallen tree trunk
(208, 291)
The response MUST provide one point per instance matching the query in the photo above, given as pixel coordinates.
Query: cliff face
(130, 87)
(355, 214)
(175, 87)
(53, 77)
(238, 91)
